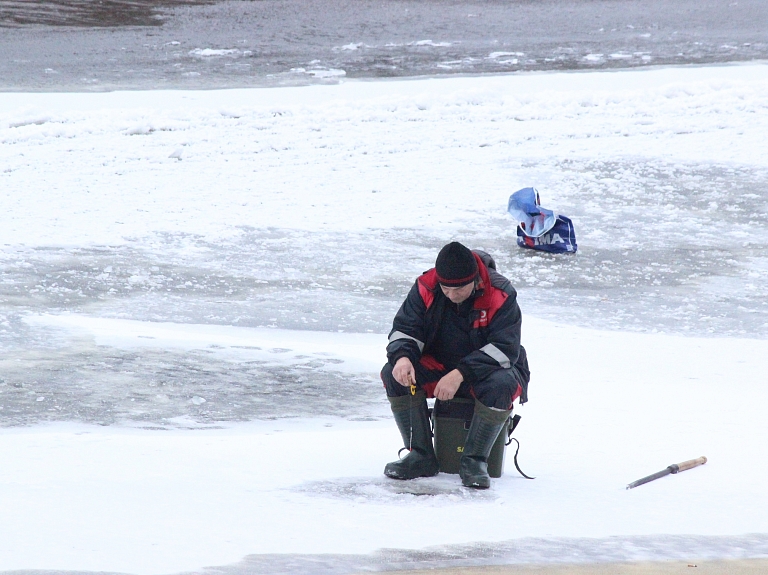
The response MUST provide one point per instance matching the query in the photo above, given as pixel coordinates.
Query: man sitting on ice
(457, 334)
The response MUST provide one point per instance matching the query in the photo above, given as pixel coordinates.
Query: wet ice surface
(168, 389)
(518, 551)
(672, 248)
(512, 552)
(51, 45)
(555, 550)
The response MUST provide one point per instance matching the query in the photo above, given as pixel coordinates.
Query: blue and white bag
(539, 228)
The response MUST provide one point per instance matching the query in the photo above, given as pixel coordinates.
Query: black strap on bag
(514, 420)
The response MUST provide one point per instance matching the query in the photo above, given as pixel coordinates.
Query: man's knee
(497, 390)
(391, 385)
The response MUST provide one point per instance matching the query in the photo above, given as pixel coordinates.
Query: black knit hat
(455, 265)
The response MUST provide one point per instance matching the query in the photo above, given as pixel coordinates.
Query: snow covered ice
(194, 283)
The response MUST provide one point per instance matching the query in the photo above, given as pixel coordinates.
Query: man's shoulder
(428, 279)
(497, 280)
(424, 289)
(500, 282)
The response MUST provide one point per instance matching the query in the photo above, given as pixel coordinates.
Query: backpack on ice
(539, 228)
(560, 238)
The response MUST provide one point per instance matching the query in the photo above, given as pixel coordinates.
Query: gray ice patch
(523, 551)
(440, 490)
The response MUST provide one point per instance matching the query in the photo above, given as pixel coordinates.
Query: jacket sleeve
(408, 334)
(503, 344)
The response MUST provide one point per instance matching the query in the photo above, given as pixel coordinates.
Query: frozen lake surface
(195, 283)
(316, 210)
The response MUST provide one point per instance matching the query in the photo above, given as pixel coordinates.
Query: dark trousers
(497, 390)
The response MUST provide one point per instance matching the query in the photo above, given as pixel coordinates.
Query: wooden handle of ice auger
(691, 463)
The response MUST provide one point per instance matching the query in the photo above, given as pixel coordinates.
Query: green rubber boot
(486, 424)
(410, 413)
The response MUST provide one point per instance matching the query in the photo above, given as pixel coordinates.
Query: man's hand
(403, 372)
(448, 385)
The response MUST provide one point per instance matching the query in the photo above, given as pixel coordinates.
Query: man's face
(458, 294)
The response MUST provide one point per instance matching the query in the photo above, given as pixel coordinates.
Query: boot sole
(395, 475)
(476, 484)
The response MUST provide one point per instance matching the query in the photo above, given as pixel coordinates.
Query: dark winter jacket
(493, 325)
